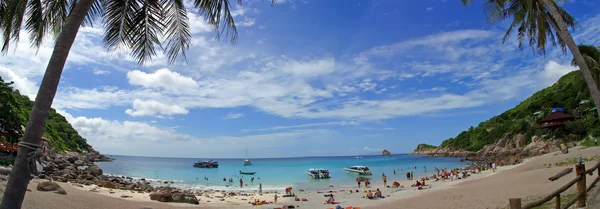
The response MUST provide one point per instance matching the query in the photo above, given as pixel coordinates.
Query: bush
(576, 127)
(596, 132)
(7, 161)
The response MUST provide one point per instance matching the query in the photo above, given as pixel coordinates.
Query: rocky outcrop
(386, 153)
(49, 186)
(448, 152)
(424, 149)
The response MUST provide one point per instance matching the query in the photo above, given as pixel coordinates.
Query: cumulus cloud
(154, 108)
(309, 125)
(21, 83)
(553, 71)
(162, 78)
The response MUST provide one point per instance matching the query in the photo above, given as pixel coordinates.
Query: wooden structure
(580, 172)
(10, 145)
(555, 119)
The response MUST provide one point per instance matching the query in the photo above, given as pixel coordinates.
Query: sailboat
(246, 161)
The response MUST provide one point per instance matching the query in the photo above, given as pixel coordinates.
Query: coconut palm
(591, 55)
(540, 22)
(139, 25)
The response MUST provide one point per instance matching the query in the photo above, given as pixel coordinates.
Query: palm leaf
(55, 15)
(177, 32)
(118, 22)
(35, 23)
(11, 21)
(213, 10)
(148, 26)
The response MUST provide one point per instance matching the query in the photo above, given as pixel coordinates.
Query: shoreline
(486, 190)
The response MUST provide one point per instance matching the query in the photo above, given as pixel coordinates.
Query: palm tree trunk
(20, 174)
(564, 35)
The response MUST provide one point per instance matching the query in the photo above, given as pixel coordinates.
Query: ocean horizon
(272, 173)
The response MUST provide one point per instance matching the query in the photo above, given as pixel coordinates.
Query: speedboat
(316, 173)
(247, 173)
(363, 170)
(206, 164)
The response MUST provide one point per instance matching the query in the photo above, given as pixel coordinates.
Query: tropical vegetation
(58, 130)
(539, 22)
(570, 93)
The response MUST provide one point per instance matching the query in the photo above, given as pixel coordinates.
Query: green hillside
(568, 93)
(14, 112)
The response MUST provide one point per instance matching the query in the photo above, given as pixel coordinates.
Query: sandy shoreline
(486, 190)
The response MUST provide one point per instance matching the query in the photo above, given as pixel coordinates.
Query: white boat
(363, 170)
(317, 173)
(246, 161)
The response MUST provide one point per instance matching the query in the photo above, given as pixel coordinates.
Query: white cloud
(162, 78)
(309, 125)
(367, 148)
(553, 71)
(429, 9)
(247, 22)
(154, 108)
(23, 84)
(233, 116)
(101, 72)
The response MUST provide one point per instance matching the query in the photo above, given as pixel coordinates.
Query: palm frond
(177, 32)
(35, 23)
(148, 26)
(55, 15)
(118, 22)
(12, 21)
(96, 11)
(213, 10)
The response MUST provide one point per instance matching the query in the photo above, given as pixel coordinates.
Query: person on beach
(288, 190)
(382, 174)
(260, 189)
(275, 198)
(367, 183)
(385, 181)
(411, 174)
(378, 193)
(241, 183)
(358, 181)
(330, 200)
(494, 167)
(370, 195)
(394, 172)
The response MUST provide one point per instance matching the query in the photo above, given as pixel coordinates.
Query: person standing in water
(260, 189)
(358, 181)
(241, 183)
(385, 181)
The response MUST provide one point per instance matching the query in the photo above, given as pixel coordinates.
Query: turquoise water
(273, 173)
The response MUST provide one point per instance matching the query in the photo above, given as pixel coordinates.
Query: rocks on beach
(49, 186)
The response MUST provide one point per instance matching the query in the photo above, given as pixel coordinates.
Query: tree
(591, 55)
(535, 20)
(136, 24)
(10, 120)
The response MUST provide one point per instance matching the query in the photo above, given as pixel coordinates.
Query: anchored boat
(363, 170)
(206, 164)
(317, 173)
(247, 173)
(246, 161)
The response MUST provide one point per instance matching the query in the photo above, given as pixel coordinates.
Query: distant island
(386, 153)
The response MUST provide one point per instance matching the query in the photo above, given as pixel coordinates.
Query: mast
(246, 152)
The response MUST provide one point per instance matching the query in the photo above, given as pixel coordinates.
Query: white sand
(487, 190)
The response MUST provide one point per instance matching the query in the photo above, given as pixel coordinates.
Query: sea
(272, 173)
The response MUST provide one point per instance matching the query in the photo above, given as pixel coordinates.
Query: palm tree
(136, 24)
(591, 55)
(536, 20)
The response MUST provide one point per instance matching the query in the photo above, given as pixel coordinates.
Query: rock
(162, 196)
(5, 170)
(95, 170)
(185, 198)
(78, 163)
(424, 149)
(564, 149)
(386, 153)
(109, 185)
(48, 186)
(131, 187)
(71, 159)
(535, 139)
(520, 140)
(60, 191)
(42, 176)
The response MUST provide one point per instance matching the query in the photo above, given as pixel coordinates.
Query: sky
(306, 78)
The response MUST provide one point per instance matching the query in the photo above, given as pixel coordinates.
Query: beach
(527, 180)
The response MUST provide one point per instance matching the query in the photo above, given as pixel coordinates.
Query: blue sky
(305, 78)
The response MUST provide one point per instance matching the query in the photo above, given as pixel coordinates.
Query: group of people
(377, 194)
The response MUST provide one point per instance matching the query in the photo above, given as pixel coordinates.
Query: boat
(247, 173)
(317, 173)
(246, 161)
(206, 164)
(363, 170)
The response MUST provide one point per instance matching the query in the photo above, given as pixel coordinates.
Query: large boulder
(95, 170)
(162, 196)
(48, 186)
(109, 185)
(564, 149)
(386, 153)
(185, 198)
(78, 162)
(520, 140)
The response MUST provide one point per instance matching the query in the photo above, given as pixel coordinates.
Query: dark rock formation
(49, 186)
(386, 153)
